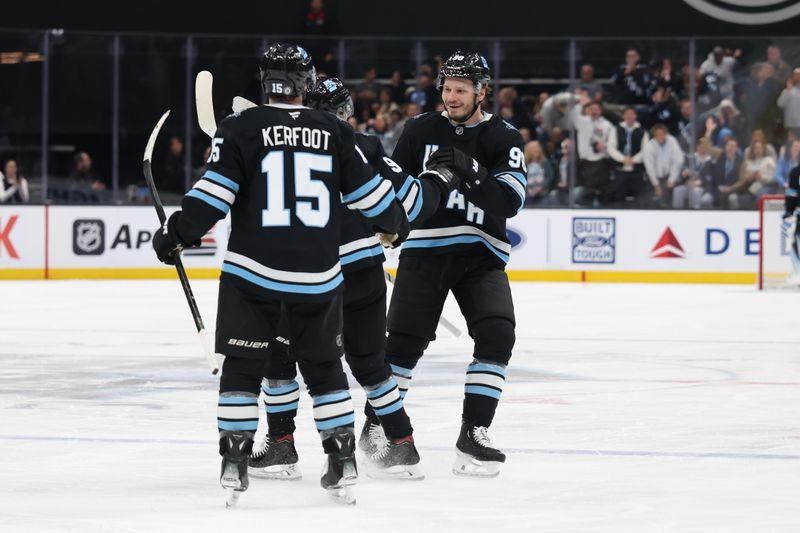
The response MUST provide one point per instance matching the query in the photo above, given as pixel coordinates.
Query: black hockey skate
(395, 459)
(340, 473)
(276, 459)
(475, 455)
(235, 448)
(372, 436)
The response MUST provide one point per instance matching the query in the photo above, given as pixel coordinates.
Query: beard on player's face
(460, 99)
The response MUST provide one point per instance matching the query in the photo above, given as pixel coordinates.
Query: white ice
(628, 408)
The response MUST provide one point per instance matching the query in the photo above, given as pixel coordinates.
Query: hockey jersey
(791, 193)
(282, 171)
(472, 219)
(420, 199)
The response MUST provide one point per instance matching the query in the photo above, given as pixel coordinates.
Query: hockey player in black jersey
(791, 222)
(393, 454)
(281, 171)
(462, 249)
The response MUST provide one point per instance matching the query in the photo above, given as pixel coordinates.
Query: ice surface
(628, 408)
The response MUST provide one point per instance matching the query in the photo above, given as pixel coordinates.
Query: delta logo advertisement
(668, 247)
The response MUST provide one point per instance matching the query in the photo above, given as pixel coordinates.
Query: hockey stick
(162, 218)
(240, 104)
(204, 102)
(446, 324)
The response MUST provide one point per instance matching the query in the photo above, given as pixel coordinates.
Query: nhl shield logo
(459, 130)
(88, 237)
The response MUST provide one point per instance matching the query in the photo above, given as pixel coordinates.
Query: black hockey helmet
(330, 95)
(286, 70)
(468, 65)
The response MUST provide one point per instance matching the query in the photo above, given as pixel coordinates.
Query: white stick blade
(151, 142)
(240, 104)
(204, 102)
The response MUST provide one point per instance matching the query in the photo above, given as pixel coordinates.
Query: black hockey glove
(166, 241)
(467, 168)
(393, 240)
(443, 177)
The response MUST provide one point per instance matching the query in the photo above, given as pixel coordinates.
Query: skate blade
(343, 494)
(232, 497)
(397, 472)
(277, 472)
(467, 466)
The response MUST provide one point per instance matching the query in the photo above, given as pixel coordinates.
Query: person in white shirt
(663, 159)
(756, 177)
(626, 149)
(13, 187)
(593, 133)
(721, 64)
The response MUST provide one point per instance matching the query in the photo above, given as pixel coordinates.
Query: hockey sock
(385, 400)
(282, 398)
(333, 409)
(403, 377)
(237, 411)
(482, 390)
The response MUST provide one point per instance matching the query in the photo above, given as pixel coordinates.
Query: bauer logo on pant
(594, 240)
(88, 237)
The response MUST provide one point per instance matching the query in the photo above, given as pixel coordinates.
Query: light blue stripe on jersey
(210, 200)
(485, 367)
(346, 420)
(448, 241)
(362, 191)
(383, 389)
(331, 398)
(518, 175)
(401, 194)
(238, 400)
(401, 371)
(483, 391)
(513, 185)
(222, 180)
(282, 408)
(417, 206)
(238, 425)
(282, 287)
(381, 207)
(291, 387)
(361, 254)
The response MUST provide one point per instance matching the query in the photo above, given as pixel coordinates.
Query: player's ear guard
(471, 172)
(167, 242)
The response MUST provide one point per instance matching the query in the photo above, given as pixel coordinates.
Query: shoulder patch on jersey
(509, 126)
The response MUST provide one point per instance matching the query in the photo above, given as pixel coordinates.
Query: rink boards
(65, 242)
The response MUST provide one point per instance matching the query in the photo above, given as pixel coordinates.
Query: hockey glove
(443, 177)
(472, 173)
(789, 226)
(393, 240)
(166, 241)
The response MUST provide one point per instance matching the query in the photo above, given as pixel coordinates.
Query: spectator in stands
(526, 135)
(586, 82)
(560, 193)
(13, 186)
(756, 177)
(685, 125)
(172, 178)
(761, 95)
(696, 181)
(668, 79)
(782, 70)
(726, 121)
(512, 110)
(788, 160)
(789, 102)
(626, 150)
(81, 172)
(593, 168)
(369, 88)
(721, 63)
(425, 94)
(320, 23)
(664, 111)
(555, 112)
(398, 88)
(541, 175)
(663, 160)
(725, 172)
(385, 105)
(758, 136)
(631, 81)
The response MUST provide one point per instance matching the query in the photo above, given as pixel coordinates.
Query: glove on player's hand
(393, 240)
(467, 168)
(167, 243)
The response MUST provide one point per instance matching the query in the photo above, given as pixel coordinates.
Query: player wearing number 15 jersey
(462, 249)
(282, 170)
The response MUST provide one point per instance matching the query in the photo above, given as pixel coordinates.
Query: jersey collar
(485, 118)
(287, 106)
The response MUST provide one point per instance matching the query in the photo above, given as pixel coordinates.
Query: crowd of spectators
(632, 134)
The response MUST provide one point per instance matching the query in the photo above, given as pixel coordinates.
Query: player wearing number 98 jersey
(282, 170)
(462, 249)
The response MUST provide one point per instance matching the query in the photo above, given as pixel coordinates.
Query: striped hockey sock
(282, 398)
(403, 377)
(482, 390)
(333, 410)
(237, 411)
(385, 397)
